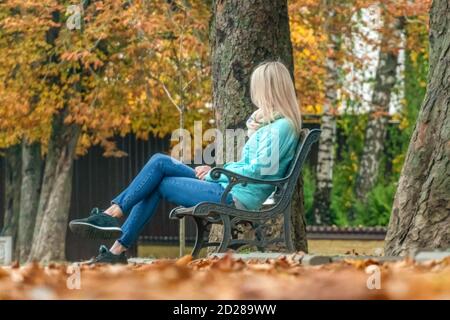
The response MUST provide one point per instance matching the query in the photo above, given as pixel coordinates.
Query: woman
(273, 131)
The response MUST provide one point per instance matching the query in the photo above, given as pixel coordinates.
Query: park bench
(206, 214)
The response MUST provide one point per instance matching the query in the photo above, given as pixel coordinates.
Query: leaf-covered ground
(227, 278)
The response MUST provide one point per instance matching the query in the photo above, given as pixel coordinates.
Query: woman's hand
(202, 171)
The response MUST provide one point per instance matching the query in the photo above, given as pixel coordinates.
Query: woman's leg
(182, 191)
(188, 192)
(104, 224)
(136, 221)
(147, 181)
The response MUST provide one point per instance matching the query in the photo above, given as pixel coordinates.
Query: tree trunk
(325, 161)
(244, 34)
(12, 195)
(54, 202)
(376, 128)
(421, 211)
(29, 196)
(298, 218)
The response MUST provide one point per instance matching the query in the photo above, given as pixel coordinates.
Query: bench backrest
(307, 139)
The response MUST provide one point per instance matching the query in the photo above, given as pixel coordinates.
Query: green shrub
(378, 208)
(308, 191)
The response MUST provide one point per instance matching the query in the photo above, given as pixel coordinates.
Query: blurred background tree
(349, 203)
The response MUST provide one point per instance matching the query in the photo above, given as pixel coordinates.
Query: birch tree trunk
(244, 34)
(376, 127)
(421, 212)
(29, 196)
(325, 161)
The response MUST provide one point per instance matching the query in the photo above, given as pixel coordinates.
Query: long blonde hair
(272, 90)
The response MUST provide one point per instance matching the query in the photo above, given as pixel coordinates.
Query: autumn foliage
(110, 72)
(228, 278)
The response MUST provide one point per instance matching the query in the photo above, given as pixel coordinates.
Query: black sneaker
(106, 256)
(98, 225)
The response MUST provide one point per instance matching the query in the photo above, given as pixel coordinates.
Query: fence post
(182, 226)
(182, 236)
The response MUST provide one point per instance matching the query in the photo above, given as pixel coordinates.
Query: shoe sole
(90, 231)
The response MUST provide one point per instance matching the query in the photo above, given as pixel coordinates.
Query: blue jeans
(162, 177)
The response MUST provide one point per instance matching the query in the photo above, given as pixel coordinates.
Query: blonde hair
(272, 90)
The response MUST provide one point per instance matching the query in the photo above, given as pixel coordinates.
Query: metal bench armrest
(235, 178)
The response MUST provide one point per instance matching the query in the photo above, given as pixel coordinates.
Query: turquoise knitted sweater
(266, 155)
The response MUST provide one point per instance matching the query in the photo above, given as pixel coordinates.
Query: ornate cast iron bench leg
(202, 231)
(200, 236)
(226, 237)
(259, 237)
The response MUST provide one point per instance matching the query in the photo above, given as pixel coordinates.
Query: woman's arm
(266, 152)
(202, 171)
